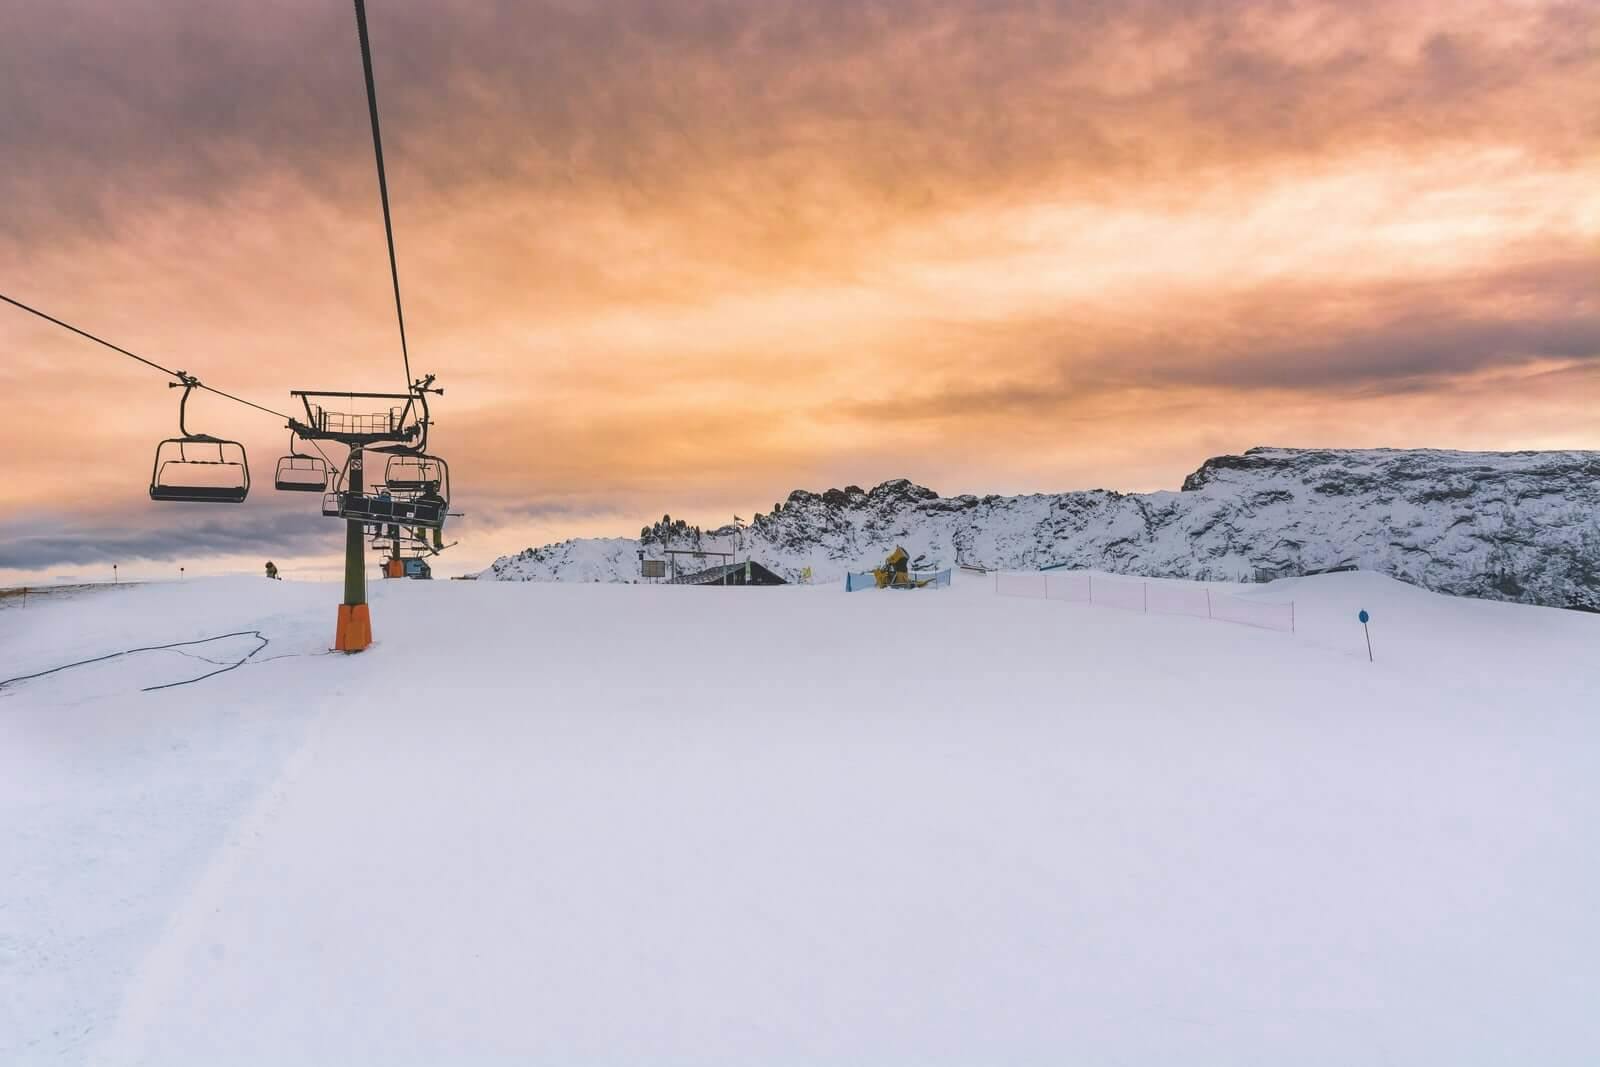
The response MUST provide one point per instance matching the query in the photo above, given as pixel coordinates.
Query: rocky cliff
(1521, 526)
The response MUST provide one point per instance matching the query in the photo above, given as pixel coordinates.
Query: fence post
(1291, 616)
(1208, 602)
(1091, 589)
(1144, 587)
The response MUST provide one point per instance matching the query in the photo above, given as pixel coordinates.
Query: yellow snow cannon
(896, 572)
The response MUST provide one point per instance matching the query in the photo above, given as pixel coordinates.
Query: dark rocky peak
(1253, 460)
(900, 489)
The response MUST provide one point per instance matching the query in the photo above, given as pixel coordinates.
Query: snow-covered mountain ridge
(1521, 526)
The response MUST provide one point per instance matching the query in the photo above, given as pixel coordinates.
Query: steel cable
(383, 180)
(178, 375)
(257, 634)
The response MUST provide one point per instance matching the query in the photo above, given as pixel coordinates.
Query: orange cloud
(691, 256)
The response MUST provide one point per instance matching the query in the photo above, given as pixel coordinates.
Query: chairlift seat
(417, 473)
(409, 485)
(299, 473)
(220, 476)
(199, 494)
(388, 509)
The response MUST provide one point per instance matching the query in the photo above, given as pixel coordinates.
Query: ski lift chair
(300, 473)
(416, 473)
(198, 468)
(388, 509)
(415, 492)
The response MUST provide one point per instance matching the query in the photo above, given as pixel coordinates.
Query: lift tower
(398, 428)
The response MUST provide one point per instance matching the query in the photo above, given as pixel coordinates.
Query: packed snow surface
(601, 824)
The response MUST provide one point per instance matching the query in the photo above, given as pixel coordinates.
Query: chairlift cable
(92, 337)
(383, 182)
(179, 376)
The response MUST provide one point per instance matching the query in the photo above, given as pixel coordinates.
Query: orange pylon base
(355, 628)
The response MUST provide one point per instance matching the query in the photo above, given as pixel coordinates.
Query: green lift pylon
(354, 631)
(400, 430)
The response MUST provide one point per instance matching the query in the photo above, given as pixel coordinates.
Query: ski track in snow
(601, 824)
(165, 968)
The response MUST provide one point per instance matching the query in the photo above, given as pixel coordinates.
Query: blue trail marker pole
(1365, 618)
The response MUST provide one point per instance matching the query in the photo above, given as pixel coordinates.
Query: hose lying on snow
(157, 648)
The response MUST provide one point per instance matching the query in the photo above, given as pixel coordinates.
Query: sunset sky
(687, 256)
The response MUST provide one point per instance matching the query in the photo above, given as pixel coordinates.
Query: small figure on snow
(272, 570)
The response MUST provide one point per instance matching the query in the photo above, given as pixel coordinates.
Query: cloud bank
(692, 255)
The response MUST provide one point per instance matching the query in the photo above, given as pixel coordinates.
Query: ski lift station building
(746, 573)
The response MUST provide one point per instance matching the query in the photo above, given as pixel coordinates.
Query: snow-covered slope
(583, 559)
(1521, 526)
(534, 825)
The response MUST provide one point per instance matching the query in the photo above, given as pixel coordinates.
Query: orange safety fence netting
(1152, 597)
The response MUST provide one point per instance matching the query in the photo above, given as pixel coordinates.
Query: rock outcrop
(1521, 526)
